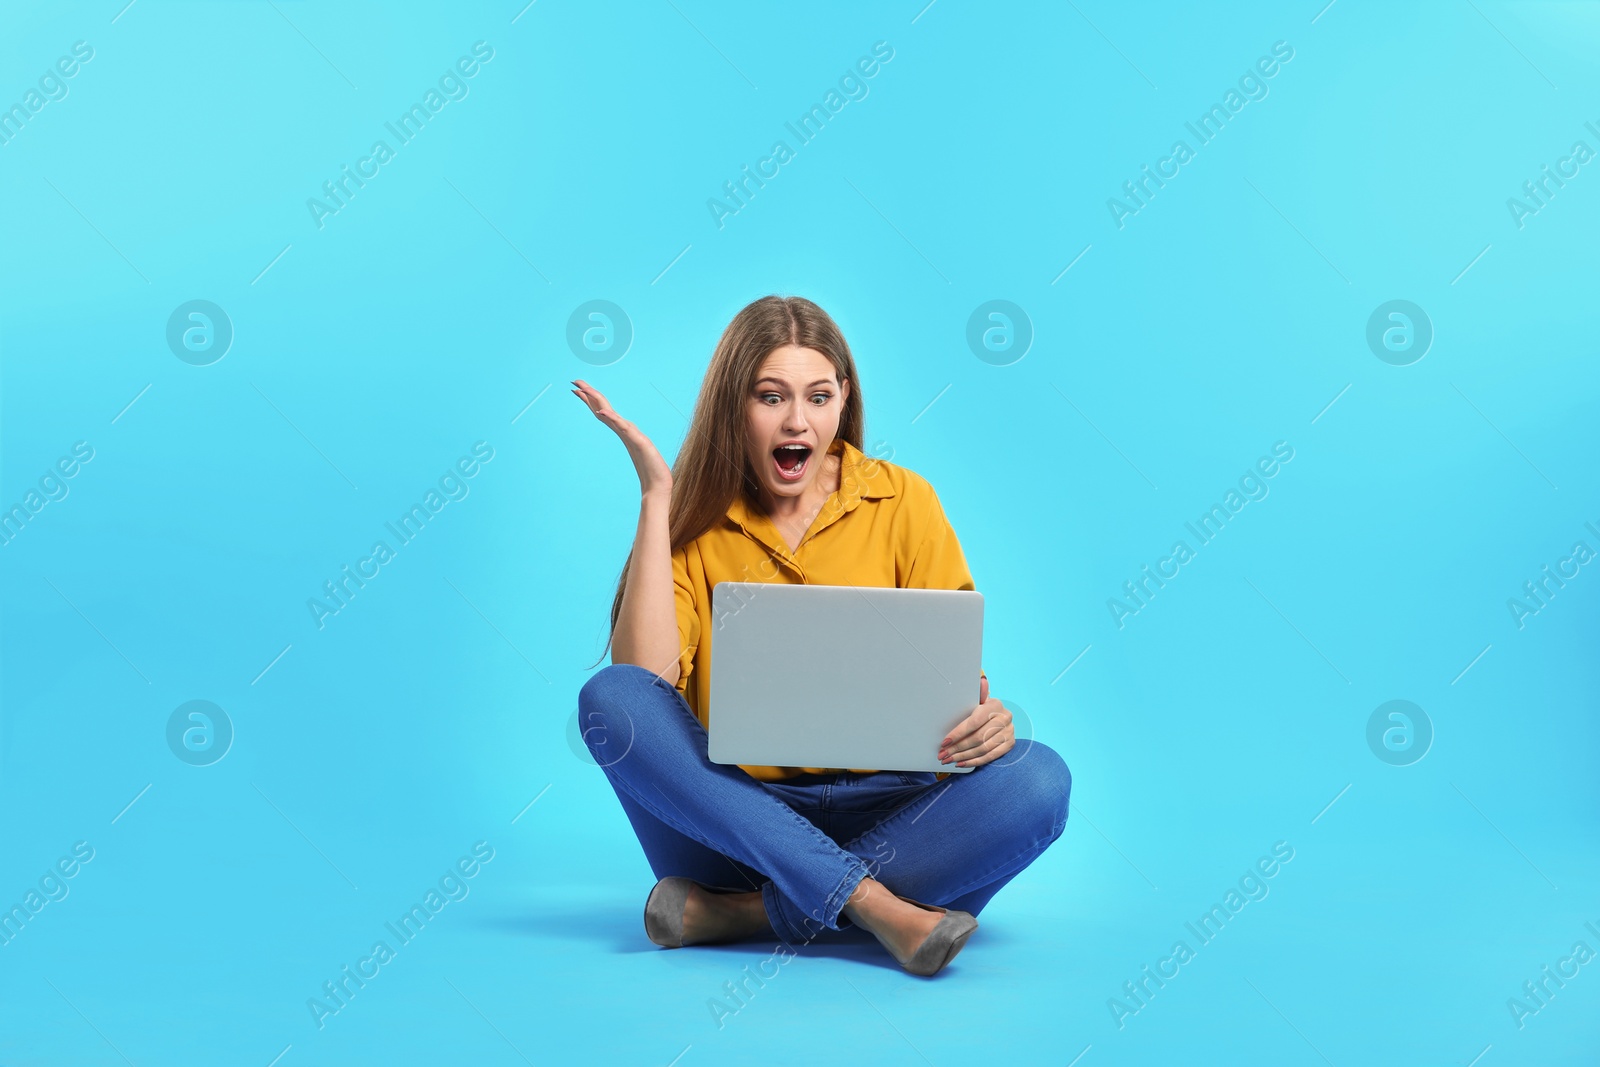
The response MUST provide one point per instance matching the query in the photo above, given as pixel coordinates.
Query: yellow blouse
(882, 527)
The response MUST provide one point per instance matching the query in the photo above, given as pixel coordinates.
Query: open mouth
(791, 461)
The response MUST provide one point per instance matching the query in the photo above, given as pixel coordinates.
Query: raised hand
(654, 474)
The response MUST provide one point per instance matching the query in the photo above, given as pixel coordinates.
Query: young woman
(771, 485)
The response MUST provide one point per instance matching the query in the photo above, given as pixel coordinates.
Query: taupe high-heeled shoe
(942, 943)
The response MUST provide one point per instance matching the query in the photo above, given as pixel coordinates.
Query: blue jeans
(806, 842)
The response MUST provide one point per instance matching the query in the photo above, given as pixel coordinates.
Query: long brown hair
(711, 468)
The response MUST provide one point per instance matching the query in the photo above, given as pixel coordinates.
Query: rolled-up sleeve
(683, 591)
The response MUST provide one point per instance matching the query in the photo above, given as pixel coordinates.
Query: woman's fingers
(991, 735)
(1000, 748)
(592, 397)
(590, 404)
(603, 410)
(960, 733)
(1001, 742)
(654, 474)
(966, 738)
(964, 730)
(977, 759)
(975, 745)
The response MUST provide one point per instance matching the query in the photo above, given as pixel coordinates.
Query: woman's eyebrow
(775, 381)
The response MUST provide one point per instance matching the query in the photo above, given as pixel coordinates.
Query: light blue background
(369, 354)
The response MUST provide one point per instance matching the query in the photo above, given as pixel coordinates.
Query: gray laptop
(841, 675)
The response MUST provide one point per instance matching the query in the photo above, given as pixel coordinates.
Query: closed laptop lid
(841, 675)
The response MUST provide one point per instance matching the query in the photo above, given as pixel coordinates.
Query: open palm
(654, 474)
